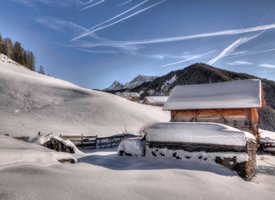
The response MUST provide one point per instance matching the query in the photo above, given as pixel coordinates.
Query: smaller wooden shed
(234, 103)
(132, 96)
(155, 100)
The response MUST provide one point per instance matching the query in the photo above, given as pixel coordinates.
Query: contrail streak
(203, 35)
(116, 16)
(123, 19)
(187, 59)
(124, 3)
(233, 46)
(90, 6)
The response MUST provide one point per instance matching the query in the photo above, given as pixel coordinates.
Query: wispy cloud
(236, 53)
(61, 3)
(60, 25)
(120, 20)
(267, 66)
(232, 47)
(87, 2)
(63, 26)
(107, 43)
(188, 59)
(93, 5)
(203, 35)
(97, 52)
(246, 53)
(239, 62)
(111, 19)
(126, 2)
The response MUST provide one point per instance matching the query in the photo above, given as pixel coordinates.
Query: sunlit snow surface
(32, 103)
(102, 174)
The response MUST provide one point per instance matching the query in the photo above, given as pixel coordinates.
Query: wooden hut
(155, 100)
(233, 103)
(132, 96)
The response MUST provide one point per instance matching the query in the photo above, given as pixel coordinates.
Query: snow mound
(267, 137)
(197, 132)
(45, 138)
(16, 152)
(131, 147)
(156, 100)
(31, 102)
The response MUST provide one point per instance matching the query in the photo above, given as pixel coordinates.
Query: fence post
(82, 139)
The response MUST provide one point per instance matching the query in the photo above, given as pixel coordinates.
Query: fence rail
(92, 142)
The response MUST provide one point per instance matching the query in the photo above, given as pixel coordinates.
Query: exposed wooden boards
(262, 98)
(234, 113)
(197, 147)
(244, 119)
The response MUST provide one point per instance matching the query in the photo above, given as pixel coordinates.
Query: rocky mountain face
(137, 81)
(115, 86)
(200, 73)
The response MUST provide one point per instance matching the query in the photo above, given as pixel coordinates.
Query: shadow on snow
(115, 162)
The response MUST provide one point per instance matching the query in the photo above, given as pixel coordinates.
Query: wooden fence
(92, 142)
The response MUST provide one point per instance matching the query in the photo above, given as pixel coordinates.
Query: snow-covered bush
(132, 147)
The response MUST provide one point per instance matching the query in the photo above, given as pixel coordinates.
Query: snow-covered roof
(197, 132)
(128, 94)
(232, 94)
(156, 100)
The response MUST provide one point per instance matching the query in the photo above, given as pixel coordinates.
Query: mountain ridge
(137, 81)
(200, 73)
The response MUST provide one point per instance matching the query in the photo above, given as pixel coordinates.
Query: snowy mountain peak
(137, 81)
(115, 86)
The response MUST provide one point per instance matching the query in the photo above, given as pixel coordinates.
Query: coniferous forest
(16, 52)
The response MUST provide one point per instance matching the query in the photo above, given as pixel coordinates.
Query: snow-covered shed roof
(197, 132)
(127, 94)
(130, 94)
(232, 94)
(156, 100)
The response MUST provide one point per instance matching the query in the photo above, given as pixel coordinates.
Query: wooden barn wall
(243, 119)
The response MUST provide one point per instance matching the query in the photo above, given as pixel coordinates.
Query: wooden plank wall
(243, 119)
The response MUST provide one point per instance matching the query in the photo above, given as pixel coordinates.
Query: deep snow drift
(197, 132)
(104, 175)
(32, 102)
(16, 153)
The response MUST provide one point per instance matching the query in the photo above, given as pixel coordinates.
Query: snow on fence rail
(92, 142)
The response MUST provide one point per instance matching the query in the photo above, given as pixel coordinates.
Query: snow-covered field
(105, 175)
(31, 102)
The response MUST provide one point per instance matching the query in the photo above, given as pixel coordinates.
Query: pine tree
(17, 53)
(41, 70)
(8, 49)
(1, 43)
(25, 62)
(30, 61)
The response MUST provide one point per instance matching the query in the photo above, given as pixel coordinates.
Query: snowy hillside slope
(32, 102)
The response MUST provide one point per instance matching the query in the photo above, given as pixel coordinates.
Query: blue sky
(92, 43)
